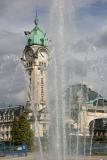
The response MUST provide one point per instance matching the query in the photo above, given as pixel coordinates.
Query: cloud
(97, 41)
(11, 43)
(82, 3)
(101, 39)
(11, 70)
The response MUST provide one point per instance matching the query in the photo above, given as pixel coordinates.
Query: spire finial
(36, 19)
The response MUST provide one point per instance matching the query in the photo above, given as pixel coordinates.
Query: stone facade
(36, 87)
(83, 107)
(7, 115)
(86, 117)
(91, 112)
(35, 60)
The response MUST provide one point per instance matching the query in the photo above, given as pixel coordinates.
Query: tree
(21, 131)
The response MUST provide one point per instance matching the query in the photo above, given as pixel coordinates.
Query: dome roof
(36, 36)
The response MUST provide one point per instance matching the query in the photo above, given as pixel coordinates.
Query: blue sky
(85, 35)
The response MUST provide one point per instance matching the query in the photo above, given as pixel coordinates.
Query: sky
(78, 33)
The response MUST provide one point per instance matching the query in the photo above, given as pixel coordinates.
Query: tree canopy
(21, 131)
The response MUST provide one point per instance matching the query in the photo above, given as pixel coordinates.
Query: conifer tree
(21, 131)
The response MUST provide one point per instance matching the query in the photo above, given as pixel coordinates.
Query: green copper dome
(36, 36)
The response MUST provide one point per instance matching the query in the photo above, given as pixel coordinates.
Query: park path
(31, 157)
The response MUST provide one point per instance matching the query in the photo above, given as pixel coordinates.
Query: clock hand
(42, 55)
(30, 54)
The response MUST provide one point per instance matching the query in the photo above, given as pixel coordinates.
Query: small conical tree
(21, 131)
(15, 131)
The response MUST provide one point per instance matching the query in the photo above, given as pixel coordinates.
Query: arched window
(98, 127)
(29, 41)
(42, 41)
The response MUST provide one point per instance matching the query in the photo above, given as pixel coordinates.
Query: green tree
(21, 131)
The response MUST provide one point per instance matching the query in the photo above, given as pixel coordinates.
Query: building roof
(36, 36)
(98, 102)
(10, 109)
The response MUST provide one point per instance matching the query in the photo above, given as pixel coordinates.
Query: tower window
(45, 65)
(42, 41)
(40, 63)
(29, 41)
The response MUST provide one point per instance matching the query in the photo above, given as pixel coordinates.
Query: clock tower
(35, 61)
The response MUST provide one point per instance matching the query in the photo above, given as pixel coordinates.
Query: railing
(12, 150)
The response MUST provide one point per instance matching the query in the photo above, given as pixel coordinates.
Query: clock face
(29, 55)
(42, 55)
